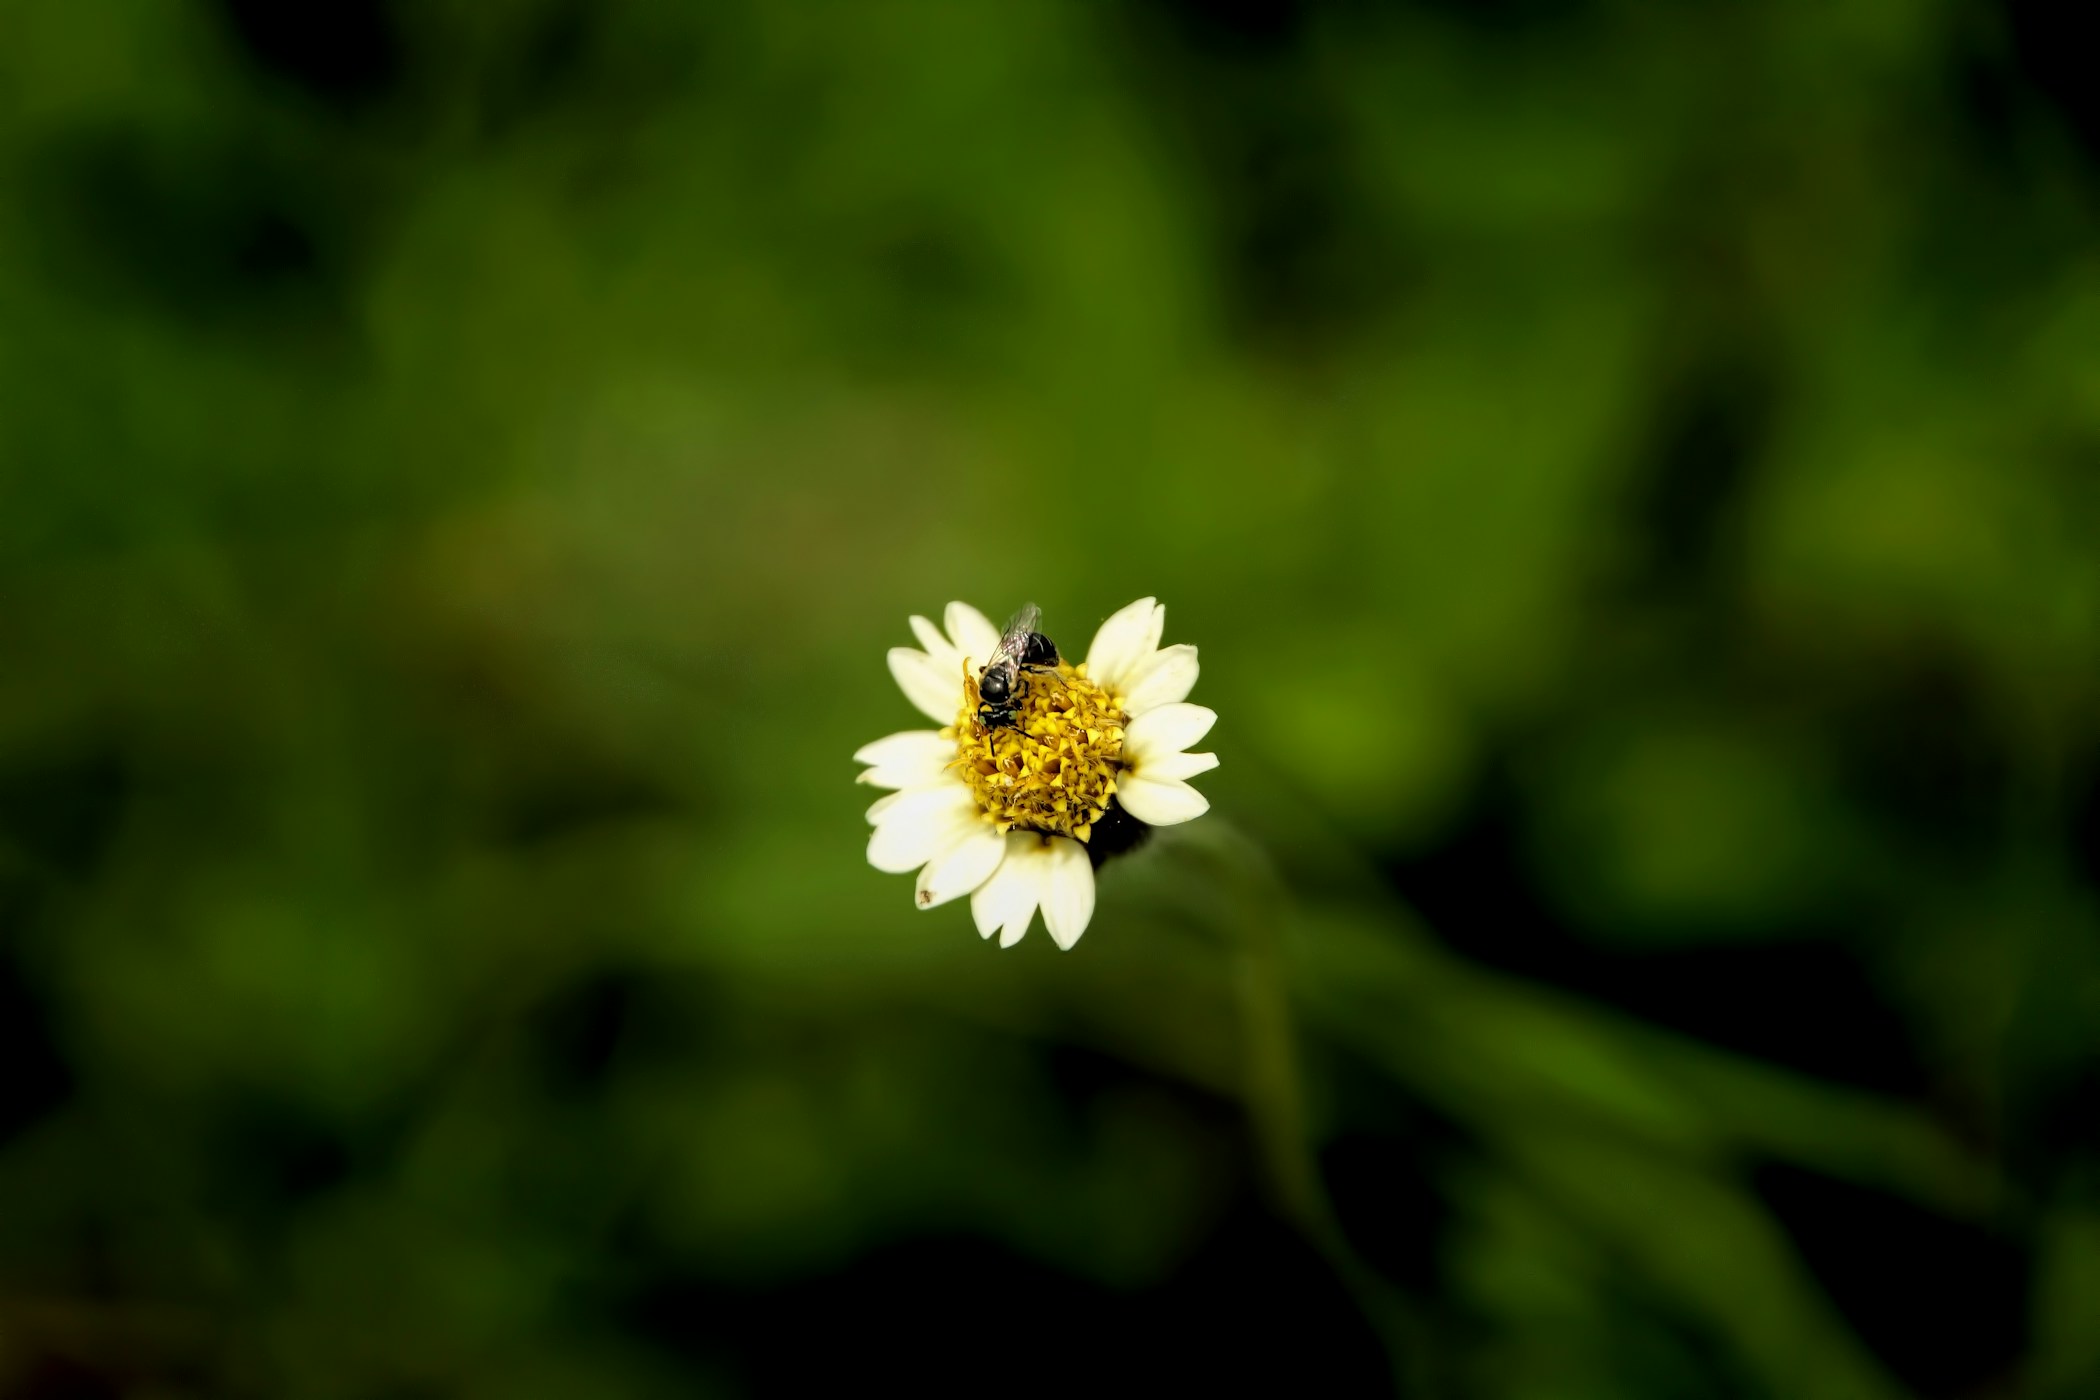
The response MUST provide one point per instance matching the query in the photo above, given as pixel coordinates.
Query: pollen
(1054, 768)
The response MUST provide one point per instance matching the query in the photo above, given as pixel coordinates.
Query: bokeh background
(1631, 471)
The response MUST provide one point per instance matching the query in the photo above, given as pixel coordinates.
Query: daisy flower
(1014, 803)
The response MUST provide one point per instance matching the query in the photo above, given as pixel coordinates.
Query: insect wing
(1013, 642)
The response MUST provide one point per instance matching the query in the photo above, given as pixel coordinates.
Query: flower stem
(1257, 907)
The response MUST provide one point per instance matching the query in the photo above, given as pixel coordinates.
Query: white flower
(1001, 803)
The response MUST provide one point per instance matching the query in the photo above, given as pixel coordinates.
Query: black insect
(1021, 648)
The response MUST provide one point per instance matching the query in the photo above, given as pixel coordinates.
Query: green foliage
(1629, 472)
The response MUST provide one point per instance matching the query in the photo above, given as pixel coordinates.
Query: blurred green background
(1631, 471)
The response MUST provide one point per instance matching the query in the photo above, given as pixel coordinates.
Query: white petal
(936, 643)
(1124, 641)
(883, 804)
(915, 758)
(1169, 676)
(1158, 803)
(966, 866)
(1176, 767)
(989, 900)
(895, 748)
(1168, 729)
(1068, 891)
(934, 688)
(973, 633)
(924, 824)
(1010, 894)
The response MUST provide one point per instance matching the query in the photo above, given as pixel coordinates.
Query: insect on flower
(1041, 768)
(1021, 649)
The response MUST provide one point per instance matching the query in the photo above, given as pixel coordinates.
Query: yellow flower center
(1053, 766)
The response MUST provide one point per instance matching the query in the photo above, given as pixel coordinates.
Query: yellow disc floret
(1054, 768)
